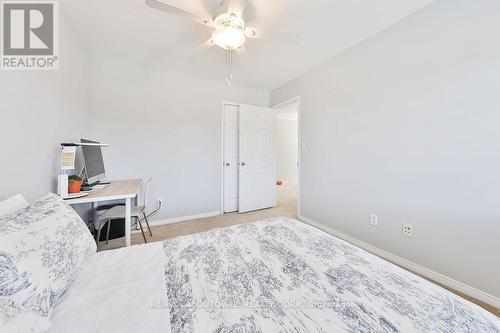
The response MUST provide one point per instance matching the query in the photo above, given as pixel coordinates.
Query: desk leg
(91, 214)
(127, 221)
(136, 203)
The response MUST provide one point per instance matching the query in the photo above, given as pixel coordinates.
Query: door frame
(295, 100)
(222, 160)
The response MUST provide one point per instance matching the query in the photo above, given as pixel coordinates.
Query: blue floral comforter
(280, 275)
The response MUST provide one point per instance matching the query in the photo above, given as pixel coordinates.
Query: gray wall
(38, 110)
(406, 126)
(164, 126)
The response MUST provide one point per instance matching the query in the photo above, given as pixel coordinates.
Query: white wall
(38, 110)
(287, 131)
(406, 126)
(165, 126)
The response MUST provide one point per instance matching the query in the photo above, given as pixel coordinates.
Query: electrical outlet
(374, 220)
(408, 229)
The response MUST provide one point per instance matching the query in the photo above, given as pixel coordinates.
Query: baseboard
(415, 268)
(173, 220)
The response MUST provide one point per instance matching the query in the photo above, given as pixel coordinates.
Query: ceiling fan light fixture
(228, 37)
(229, 24)
(226, 19)
(250, 32)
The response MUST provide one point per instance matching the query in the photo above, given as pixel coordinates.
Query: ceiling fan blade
(280, 36)
(206, 45)
(178, 12)
(193, 52)
(184, 51)
(237, 7)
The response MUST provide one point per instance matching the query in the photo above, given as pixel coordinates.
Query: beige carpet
(286, 206)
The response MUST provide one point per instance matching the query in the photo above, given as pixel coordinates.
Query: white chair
(118, 212)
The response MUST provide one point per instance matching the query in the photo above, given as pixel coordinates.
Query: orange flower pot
(74, 186)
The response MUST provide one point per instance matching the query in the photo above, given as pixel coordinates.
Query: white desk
(117, 190)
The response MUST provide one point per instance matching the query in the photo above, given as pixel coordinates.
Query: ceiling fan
(230, 30)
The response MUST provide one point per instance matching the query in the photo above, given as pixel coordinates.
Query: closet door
(231, 142)
(257, 158)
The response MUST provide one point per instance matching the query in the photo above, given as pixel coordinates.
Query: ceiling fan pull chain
(229, 65)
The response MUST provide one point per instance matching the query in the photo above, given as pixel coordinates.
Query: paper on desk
(68, 155)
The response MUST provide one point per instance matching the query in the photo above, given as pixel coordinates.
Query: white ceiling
(131, 30)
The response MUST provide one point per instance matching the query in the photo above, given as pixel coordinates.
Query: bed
(274, 275)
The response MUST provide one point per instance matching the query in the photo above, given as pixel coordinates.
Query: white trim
(411, 266)
(295, 100)
(173, 220)
(222, 166)
(286, 103)
(222, 158)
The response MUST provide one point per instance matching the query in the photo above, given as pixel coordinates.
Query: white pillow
(12, 205)
(43, 248)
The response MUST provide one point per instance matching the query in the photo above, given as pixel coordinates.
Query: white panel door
(257, 169)
(231, 139)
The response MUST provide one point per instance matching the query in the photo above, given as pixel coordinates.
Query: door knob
(227, 164)
(243, 163)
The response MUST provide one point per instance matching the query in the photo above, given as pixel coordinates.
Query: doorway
(248, 158)
(260, 159)
(288, 154)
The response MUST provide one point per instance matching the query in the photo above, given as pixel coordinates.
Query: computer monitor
(94, 164)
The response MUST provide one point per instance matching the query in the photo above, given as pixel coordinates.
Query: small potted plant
(74, 184)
